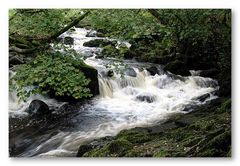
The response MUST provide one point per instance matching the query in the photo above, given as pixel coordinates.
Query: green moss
(134, 136)
(226, 106)
(161, 153)
(119, 146)
(116, 148)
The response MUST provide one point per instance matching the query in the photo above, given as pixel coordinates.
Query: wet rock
(92, 74)
(203, 97)
(83, 149)
(146, 97)
(99, 56)
(99, 43)
(68, 40)
(153, 70)
(130, 72)
(59, 40)
(38, 107)
(110, 73)
(177, 67)
(209, 73)
(93, 33)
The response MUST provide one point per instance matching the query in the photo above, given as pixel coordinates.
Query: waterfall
(132, 99)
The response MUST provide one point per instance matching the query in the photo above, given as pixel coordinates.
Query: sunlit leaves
(51, 72)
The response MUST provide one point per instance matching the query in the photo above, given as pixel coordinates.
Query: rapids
(124, 102)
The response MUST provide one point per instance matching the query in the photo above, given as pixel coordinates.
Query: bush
(51, 72)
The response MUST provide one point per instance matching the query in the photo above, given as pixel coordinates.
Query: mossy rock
(116, 148)
(119, 146)
(99, 43)
(226, 106)
(134, 136)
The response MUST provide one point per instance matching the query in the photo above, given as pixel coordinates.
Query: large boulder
(38, 107)
(177, 67)
(92, 74)
(99, 43)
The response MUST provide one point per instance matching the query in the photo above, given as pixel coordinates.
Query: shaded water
(137, 99)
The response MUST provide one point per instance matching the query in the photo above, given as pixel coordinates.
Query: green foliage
(39, 23)
(205, 33)
(121, 23)
(51, 73)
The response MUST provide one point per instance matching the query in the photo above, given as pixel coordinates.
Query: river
(136, 100)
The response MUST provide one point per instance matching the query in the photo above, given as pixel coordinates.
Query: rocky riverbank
(205, 132)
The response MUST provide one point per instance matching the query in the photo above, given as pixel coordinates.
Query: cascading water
(137, 99)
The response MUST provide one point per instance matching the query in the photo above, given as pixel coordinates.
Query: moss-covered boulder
(99, 43)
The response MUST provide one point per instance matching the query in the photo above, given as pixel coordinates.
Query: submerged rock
(145, 97)
(38, 107)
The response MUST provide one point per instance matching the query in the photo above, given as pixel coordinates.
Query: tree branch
(155, 13)
(75, 22)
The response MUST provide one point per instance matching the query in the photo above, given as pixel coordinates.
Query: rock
(15, 60)
(209, 73)
(99, 56)
(99, 43)
(59, 39)
(68, 40)
(92, 74)
(83, 149)
(93, 33)
(119, 146)
(38, 107)
(130, 72)
(110, 73)
(153, 70)
(145, 97)
(203, 97)
(72, 30)
(177, 67)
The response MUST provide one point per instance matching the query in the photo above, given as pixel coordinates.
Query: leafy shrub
(51, 73)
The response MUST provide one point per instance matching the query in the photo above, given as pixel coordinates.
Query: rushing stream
(137, 99)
